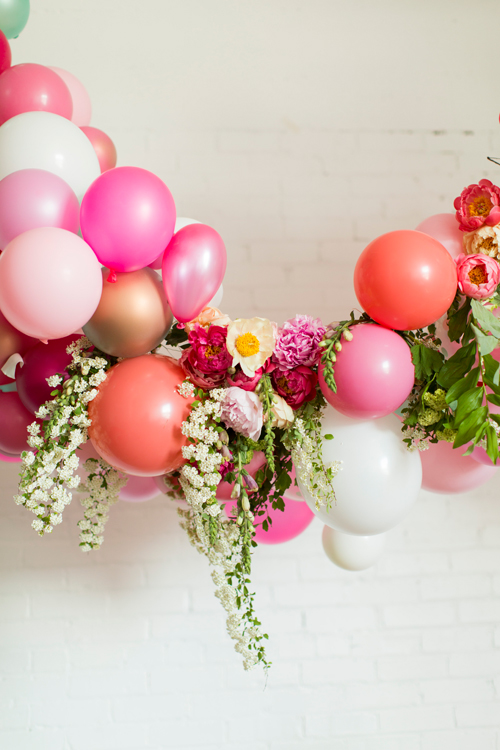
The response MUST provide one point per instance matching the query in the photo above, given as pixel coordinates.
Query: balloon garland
(238, 421)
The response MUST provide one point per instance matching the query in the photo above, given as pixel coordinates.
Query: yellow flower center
(247, 344)
(212, 351)
(487, 244)
(283, 384)
(478, 275)
(480, 206)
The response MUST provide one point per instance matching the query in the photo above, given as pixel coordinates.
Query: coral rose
(209, 316)
(478, 275)
(477, 205)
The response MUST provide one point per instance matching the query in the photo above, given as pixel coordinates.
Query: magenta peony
(198, 378)
(478, 205)
(478, 275)
(209, 352)
(295, 386)
(243, 381)
(242, 411)
(298, 342)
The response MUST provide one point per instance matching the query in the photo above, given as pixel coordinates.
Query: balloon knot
(112, 276)
(180, 326)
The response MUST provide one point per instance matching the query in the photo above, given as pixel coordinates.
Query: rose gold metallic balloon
(12, 341)
(133, 316)
(103, 146)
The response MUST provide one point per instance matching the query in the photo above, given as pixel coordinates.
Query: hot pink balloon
(33, 88)
(374, 373)
(103, 146)
(32, 198)
(127, 217)
(40, 362)
(8, 459)
(5, 53)
(139, 489)
(448, 471)
(444, 229)
(82, 107)
(14, 420)
(286, 524)
(50, 283)
(193, 268)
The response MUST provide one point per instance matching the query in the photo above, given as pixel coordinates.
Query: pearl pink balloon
(193, 268)
(285, 525)
(374, 373)
(82, 107)
(32, 198)
(33, 88)
(103, 146)
(446, 470)
(127, 217)
(5, 53)
(139, 490)
(14, 420)
(444, 229)
(50, 283)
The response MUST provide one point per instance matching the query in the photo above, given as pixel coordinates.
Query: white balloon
(181, 222)
(350, 551)
(217, 298)
(42, 140)
(379, 479)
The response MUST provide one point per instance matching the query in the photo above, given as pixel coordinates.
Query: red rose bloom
(295, 386)
(196, 376)
(209, 353)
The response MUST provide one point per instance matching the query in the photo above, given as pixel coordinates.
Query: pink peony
(243, 381)
(209, 351)
(478, 275)
(298, 342)
(242, 411)
(198, 378)
(296, 386)
(478, 205)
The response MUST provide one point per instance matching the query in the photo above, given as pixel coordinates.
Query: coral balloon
(33, 88)
(139, 490)
(103, 146)
(32, 198)
(13, 16)
(446, 470)
(444, 229)
(285, 525)
(50, 283)
(137, 416)
(82, 107)
(14, 421)
(379, 480)
(352, 552)
(133, 315)
(12, 342)
(42, 140)
(405, 280)
(5, 53)
(128, 218)
(374, 373)
(193, 268)
(40, 362)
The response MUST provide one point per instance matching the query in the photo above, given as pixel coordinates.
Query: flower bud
(333, 357)
(338, 346)
(218, 445)
(323, 343)
(330, 333)
(235, 492)
(231, 370)
(226, 452)
(245, 504)
(250, 483)
(347, 334)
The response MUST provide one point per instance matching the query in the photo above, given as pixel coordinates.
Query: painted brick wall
(300, 131)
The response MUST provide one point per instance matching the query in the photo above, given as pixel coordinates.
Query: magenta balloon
(50, 283)
(139, 489)
(5, 53)
(40, 362)
(33, 88)
(374, 373)
(14, 420)
(32, 198)
(82, 107)
(286, 524)
(127, 217)
(444, 229)
(446, 470)
(193, 268)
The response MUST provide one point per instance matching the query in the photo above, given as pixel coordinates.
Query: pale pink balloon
(50, 283)
(164, 488)
(32, 198)
(374, 373)
(139, 489)
(82, 107)
(31, 88)
(103, 146)
(127, 217)
(285, 525)
(446, 470)
(444, 229)
(193, 268)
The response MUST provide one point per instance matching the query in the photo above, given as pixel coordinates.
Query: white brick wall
(300, 131)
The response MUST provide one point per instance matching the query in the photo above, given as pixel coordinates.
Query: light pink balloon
(444, 229)
(139, 489)
(446, 470)
(127, 217)
(286, 524)
(82, 107)
(193, 268)
(32, 198)
(374, 373)
(103, 146)
(50, 283)
(164, 489)
(31, 88)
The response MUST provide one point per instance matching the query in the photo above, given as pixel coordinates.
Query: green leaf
(426, 361)
(493, 398)
(458, 388)
(328, 437)
(467, 403)
(486, 319)
(457, 366)
(470, 426)
(492, 443)
(486, 343)
(491, 369)
(457, 321)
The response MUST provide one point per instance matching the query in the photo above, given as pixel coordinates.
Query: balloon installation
(127, 385)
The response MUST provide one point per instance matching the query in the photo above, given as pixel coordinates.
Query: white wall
(300, 130)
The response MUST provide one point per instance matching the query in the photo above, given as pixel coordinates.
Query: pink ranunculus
(478, 275)
(241, 380)
(477, 205)
(298, 342)
(209, 351)
(198, 378)
(242, 411)
(295, 386)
